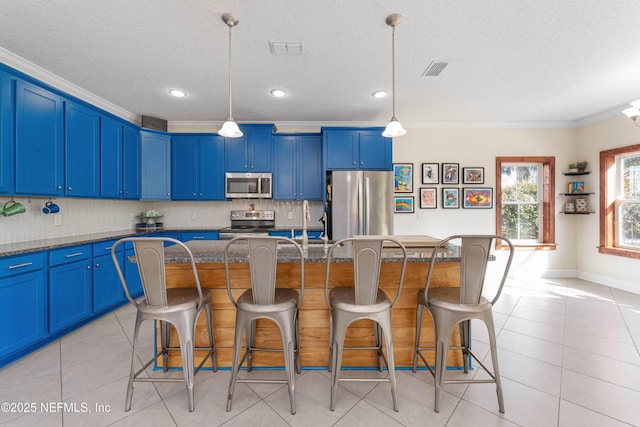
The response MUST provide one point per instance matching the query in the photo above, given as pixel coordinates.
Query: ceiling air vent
(435, 68)
(286, 48)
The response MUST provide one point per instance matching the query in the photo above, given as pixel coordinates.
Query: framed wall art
(450, 173)
(477, 198)
(403, 177)
(473, 175)
(403, 204)
(450, 198)
(428, 198)
(430, 173)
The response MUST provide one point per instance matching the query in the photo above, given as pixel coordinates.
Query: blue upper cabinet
(197, 167)
(6, 134)
(82, 151)
(39, 141)
(251, 152)
(111, 136)
(131, 161)
(297, 167)
(155, 152)
(352, 149)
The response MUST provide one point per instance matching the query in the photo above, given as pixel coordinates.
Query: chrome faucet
(306, 217)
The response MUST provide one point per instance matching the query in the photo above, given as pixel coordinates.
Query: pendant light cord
(393, 70)
(230, 115)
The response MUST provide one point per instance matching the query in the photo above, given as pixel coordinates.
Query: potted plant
(573, 167)
(581, 166)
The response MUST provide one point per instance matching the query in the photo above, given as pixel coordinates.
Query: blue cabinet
(120, 159)
(39, 133)
(155, 152)
(23, 304)
(297, 167)
(311, 235)
(107, 289)
(82, 151)
(353, 149)
(132, 274)
(197, 167)
(201, 235)
(6, 134)
(252, 151)
(70, 287)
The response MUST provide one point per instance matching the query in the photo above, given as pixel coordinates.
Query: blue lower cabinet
(23, 304)
(205, 235)
(70, 287)
(107, 289)
(312, 235)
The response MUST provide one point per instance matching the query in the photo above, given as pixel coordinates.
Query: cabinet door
(111, 158)
(375, 151)
(132, 275)
(284, 168)
(156, 165)
(6, 134)
(184, 168)
(107, 289)
(39, 141)
(211, 168)
(23, 312)
(70, 289)
(82, 151)
(310, 179)
(236, 153)
(131, 162)
(341, 149)
(261, 145)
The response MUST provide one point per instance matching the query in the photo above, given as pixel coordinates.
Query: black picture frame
(430, 173)
(450, 198)
(451, 173)
(473, 175)
(428, 198)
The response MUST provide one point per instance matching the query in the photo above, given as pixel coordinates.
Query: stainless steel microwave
(247, 185)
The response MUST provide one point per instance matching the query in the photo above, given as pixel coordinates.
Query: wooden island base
(314, 313)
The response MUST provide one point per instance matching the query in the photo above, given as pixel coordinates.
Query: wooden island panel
(314, 313)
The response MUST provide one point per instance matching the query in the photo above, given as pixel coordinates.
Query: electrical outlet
(290, 215)
(57, 219)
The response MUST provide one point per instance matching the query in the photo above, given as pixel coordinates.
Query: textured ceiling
(510, 61)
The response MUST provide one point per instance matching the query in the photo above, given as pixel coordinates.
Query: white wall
(613, 270)
(479, 148)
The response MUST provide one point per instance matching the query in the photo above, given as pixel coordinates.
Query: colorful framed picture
(430, 173)
(403, 177)
(428, 198)
(450, 173)
(450, 198)
(477, 198)
(403, 204)
(473, 175)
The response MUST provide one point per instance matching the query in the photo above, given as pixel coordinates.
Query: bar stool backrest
(367, 257)
(263, 258)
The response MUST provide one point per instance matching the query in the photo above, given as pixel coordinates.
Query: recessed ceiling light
(379, 94)
(178, 93)
(278, 93)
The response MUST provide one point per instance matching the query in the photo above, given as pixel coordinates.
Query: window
(525, 202)
(620, 201)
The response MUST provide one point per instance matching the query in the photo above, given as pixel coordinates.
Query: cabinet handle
(200, 194)
(59, 187)
(168, 194)
(24, 264)
(198, 237)
(88, 267)
(74, 254)
(97, 265)
(120, 192)
(126, 192)
(362, 163)
(354, 163)
(69, 188)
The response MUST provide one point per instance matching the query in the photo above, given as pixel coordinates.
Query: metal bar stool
(363, 300)
(458, 305)
(265, 300)
(172, 307)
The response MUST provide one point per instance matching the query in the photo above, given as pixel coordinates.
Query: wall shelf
(576, 173)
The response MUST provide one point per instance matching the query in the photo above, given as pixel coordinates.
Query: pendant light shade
(230, 128)
(394, 128)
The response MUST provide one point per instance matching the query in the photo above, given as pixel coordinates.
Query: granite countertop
(212, 251)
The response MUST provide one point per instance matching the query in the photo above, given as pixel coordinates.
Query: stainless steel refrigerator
(359, 203)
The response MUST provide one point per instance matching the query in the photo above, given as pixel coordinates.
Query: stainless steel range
(249, 223)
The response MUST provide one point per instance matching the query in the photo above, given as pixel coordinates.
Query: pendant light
(230, 128)
(394, 128)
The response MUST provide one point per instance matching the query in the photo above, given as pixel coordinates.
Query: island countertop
(212, 251)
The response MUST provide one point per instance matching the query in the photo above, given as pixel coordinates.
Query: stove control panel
(253, 215)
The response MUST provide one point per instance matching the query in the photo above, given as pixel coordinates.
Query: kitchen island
(314, 313)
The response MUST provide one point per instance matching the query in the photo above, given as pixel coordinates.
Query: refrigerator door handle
(360, 207)
(367, 206)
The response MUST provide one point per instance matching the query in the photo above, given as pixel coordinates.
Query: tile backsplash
(85, 216)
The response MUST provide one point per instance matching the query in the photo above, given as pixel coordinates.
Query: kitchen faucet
(306, 217)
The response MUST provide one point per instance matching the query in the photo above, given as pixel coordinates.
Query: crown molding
(29, 68)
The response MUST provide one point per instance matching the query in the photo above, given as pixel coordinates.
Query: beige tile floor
(568, 351)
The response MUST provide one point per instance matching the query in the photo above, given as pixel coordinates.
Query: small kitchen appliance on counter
(252, 223)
